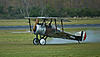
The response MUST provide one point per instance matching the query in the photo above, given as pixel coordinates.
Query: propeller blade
(36, 22)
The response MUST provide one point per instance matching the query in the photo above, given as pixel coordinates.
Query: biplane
(43, 30)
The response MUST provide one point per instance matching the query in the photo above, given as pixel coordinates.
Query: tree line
(49, 11)
(53, 8)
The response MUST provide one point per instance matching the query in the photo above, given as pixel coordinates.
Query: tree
(1, 9)
(35, 12)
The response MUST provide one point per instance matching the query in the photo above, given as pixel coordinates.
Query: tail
(80, 36)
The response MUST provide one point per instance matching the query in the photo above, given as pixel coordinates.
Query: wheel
(42, 41)
(35, 41)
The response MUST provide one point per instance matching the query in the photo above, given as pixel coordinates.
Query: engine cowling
(40, 29)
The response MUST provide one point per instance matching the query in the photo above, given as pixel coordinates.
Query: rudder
(80, 36)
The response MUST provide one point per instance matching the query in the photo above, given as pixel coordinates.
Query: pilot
(50, 24)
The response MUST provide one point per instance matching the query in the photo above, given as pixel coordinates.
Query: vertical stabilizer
(81, 36)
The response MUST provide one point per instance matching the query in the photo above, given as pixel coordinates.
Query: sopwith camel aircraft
(45, 30)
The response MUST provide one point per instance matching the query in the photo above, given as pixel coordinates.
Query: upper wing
(57, 18)
(42, 17)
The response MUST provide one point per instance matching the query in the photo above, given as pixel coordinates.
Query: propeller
(36, 22)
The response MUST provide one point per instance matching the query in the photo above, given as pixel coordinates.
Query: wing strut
(62, 25)
(30, 25)
(55, 24)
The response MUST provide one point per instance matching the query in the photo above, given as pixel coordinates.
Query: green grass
(13, 22)
(84, 21)
(20, 45)
(63, 50)
(16, 22)
(80, 29)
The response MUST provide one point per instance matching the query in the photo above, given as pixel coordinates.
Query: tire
(42, 41)
(36, 41)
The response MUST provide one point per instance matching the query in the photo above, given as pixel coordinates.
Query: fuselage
(43, 29)
(51, 31)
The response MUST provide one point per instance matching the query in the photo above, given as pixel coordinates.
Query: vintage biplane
(45, 30)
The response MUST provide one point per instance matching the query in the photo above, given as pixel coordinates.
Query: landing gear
(36, 41)
(42, 41)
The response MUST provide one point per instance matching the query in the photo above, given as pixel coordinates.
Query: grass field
(20, 45)
(13, 22)
(17, 22)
